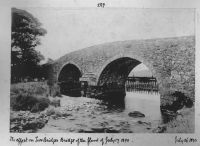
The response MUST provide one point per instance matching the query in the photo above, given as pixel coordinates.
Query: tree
(45, 68)
(25, 33)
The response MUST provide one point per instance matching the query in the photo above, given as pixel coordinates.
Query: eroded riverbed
(91, 115)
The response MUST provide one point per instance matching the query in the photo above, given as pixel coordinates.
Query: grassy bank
(31, 96)
(28, 103)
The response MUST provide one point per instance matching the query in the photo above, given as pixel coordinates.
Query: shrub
(29, 102)
(42, 104)
(180, 101)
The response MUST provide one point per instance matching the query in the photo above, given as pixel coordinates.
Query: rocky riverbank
(26, 122)
(86, 115)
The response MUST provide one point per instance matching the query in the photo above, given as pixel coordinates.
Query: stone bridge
(171, 61)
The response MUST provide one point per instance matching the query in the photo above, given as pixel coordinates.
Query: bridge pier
(108, 91)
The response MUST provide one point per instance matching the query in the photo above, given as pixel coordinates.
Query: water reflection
(145, 102)
(117, 105)
(149, 103)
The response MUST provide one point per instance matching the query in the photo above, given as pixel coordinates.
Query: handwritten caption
(184, 140)
(77, 141)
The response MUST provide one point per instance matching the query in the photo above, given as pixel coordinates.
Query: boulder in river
(143, 123)
(136, 114)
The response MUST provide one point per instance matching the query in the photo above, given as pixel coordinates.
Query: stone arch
(65, 64)
(133, 62)
(117, 70)
(68, 79)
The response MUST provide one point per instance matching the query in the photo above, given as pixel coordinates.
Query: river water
(95, 116)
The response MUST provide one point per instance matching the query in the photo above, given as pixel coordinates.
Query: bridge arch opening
(117, 71)
(114, 77)
(68, 80)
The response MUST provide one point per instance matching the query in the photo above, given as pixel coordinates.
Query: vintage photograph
(112, 70)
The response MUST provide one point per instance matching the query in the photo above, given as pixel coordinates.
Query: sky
(73, 29)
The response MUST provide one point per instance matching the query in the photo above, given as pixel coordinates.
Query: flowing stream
(95, 116)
